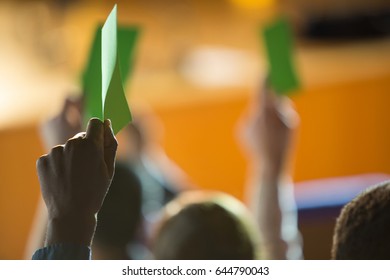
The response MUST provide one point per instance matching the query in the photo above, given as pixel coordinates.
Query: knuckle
(57, 150)
(56, 153)
(73, 142)
(78, 136)
(41, 161)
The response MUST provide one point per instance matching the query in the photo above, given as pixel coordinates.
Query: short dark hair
(120, 215)
(363, 228)
(204, 231)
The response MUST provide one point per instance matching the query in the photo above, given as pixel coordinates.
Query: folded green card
(110, 62)
(278, 42)
(92, 80)
(127, 39)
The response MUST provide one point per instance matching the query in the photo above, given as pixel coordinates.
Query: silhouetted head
(120, 216)
(211, 226)
(363, 227)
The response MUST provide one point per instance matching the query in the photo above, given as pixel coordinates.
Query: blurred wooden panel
(344, 131)
(19, 188)
(44, 48)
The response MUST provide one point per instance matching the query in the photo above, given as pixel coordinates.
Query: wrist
(71, 229)
(270, 172)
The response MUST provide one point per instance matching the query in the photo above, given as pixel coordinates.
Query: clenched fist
(74, 180)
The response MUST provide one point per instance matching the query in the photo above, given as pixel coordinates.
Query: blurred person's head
(120, 216)
(144, 133)
(201, 225)
(134, 140)
(363, 228)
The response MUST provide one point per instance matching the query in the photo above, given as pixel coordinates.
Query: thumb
(110, 146)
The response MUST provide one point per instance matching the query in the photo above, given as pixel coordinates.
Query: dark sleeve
(63, 252)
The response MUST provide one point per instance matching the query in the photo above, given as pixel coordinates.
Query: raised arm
(272, 127)
(74, 180)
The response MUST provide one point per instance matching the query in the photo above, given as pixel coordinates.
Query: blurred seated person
(119, 219)
(201, 225)
(161, 178)
(363, 228)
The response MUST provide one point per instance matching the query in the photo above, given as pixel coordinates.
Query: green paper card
(114, 101)
(92, 80)
(127, 39)
(110, 62)
(279, 48)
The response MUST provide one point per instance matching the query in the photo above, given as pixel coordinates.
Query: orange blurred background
(343, 103)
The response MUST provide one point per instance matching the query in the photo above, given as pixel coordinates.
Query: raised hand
(74, 180)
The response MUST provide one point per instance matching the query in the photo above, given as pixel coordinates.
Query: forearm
(276, 214)
(74, 180)
(268, 213)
